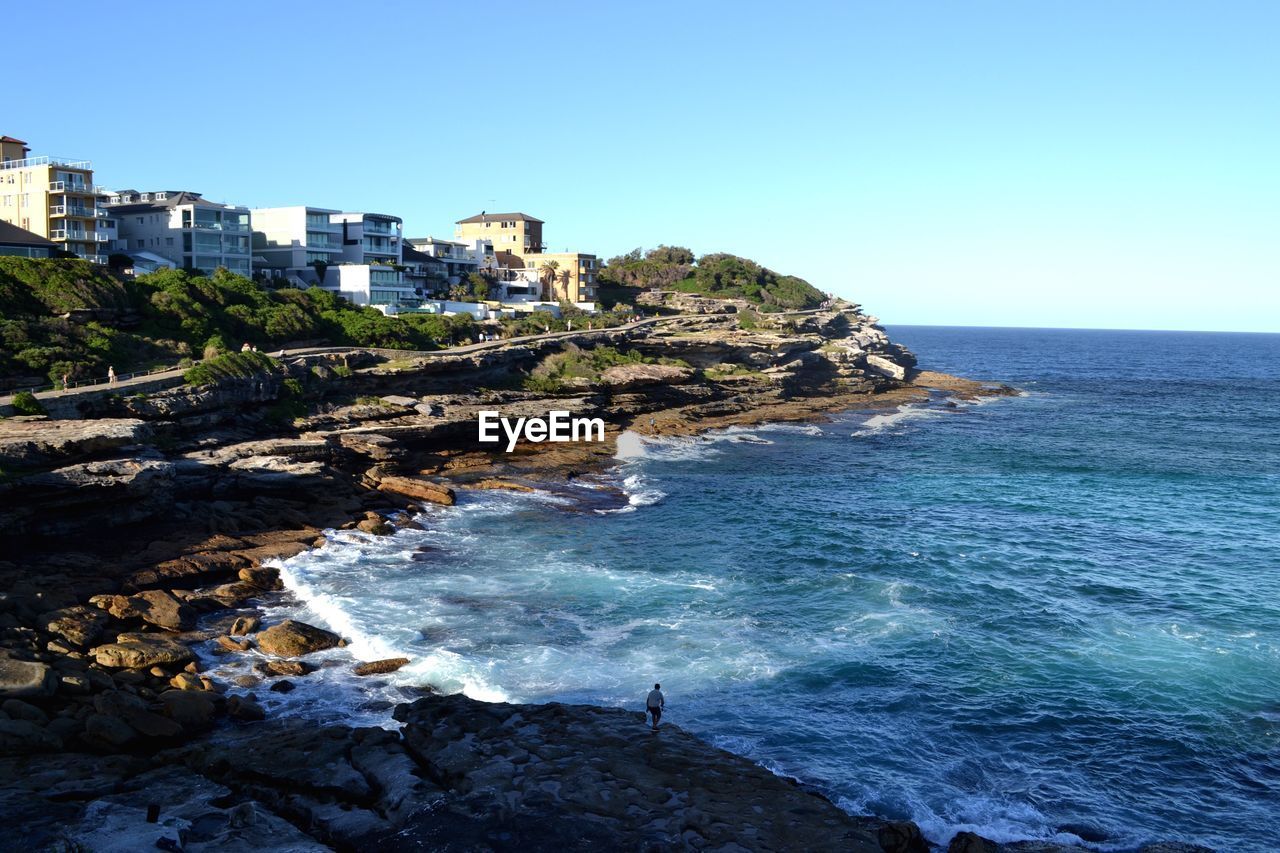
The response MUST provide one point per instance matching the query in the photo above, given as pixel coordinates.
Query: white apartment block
(289, 242)
(369, 270)
(192, 232)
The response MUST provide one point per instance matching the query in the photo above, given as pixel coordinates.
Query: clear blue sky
(1111, 164)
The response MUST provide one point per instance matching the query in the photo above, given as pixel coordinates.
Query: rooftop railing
(46, 161)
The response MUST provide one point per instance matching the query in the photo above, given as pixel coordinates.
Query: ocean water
(1049, 616)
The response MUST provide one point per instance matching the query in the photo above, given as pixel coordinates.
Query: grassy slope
(173, 315)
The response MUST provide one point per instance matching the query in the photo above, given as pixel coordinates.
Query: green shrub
(543, 384)
(232, 365)
(25, 403)
(289, 405)
(577, 363)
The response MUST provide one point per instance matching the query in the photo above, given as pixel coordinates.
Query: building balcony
(71, 187)
(374, 227)
(59, 235)
(72, 210)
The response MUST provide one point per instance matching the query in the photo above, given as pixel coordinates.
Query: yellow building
(517, 244)
(512, 233)
(51, 197)
(565, 276)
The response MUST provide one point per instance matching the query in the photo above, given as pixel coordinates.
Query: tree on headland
(670, 255)
(718, 275)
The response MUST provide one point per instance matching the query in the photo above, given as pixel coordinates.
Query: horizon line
(1075, 328)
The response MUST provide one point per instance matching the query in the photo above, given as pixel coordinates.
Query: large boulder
(418, 489)
(135, 713)
(885, 367)
(193, 710)
(291, 639)
(971, 842)
(23, 736)
(26, 678)
(244, 625)
(277, 668)
(380, 667)
(155, 607)
(624, 376)
(263, 577)
(78, 626)
(133, 651)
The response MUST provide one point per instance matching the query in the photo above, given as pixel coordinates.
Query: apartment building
(517, 244)
(426, 274)
(461, 259)
(510, 233)
(184, 228)
(52, 197)
(290, 242)
(370, 268)
(566, 276)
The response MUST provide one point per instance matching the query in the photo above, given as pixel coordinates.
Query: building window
(168, 241)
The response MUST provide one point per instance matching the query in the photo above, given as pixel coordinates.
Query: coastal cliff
(149, 523)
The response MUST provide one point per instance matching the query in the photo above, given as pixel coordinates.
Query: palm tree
(549, 279)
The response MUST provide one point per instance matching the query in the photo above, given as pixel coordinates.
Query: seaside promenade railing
(93, 382)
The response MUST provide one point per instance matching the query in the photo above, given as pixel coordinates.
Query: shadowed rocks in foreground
(461, 775)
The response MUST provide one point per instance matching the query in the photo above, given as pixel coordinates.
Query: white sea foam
(888, 421)
(630, 445)
(640, 492)
(633, 446)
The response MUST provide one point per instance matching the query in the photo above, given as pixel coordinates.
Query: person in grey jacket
(654, 703)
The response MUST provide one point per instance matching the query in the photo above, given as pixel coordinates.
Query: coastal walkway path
(141, 383)
(155, 381)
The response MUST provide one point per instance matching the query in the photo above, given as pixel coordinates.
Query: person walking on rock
(655, 702)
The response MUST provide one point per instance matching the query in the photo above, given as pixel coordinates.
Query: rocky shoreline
(151, 523)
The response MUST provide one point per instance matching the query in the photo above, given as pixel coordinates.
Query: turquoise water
(1055, 615)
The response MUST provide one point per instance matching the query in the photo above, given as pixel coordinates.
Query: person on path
(66, 381)
(654, 703)
(111, 374)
